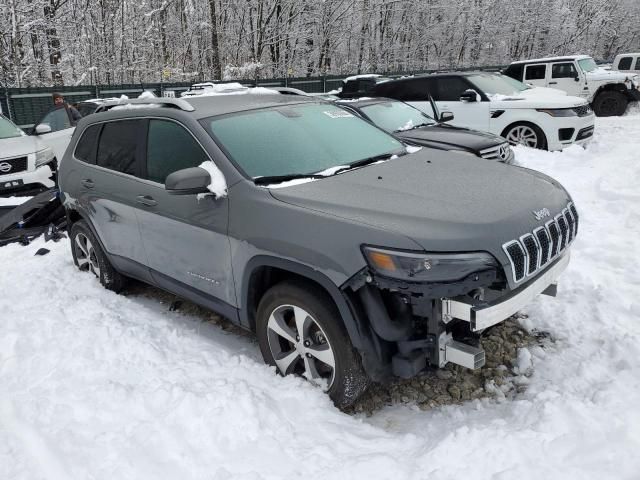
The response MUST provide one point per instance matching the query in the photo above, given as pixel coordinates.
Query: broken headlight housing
(427, 267)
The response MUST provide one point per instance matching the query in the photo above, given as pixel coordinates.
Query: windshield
(497, 84)
(587, 64)
(298, 139)
(396, 116)
(8, 129)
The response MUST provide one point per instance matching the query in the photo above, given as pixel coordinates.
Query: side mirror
(189, 181)
(43, 128)
(469, 96)
(577, 78)
(446, 117)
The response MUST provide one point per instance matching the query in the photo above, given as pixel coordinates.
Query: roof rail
(163, 102)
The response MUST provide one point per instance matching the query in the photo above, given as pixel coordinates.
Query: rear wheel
(89, 257)
(300, 332)
(610, 104)
(526, 134)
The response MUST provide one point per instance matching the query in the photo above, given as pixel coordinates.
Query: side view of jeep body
(351, 259)
(607, 91)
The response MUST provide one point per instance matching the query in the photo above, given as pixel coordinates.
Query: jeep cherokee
(350, 258)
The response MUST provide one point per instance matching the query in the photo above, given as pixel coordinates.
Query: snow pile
(103, 386)
(218, 185)
(12, 201)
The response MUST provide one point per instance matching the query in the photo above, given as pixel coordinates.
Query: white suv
(490, 102)
(607, 91)
(25, 161)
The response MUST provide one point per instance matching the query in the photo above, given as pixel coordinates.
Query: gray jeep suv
(351, 258)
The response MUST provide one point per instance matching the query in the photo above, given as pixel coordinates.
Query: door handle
(146, 200)
(88, 183)
(553, 83)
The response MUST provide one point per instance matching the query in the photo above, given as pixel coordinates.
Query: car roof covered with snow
(552, 59)
(208, 106)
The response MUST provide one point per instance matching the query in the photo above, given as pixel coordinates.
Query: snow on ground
(12, 201)
(97, 385)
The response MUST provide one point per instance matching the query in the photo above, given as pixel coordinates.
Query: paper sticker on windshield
(338, 114)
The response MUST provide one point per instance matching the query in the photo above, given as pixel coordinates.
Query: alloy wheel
(86, 255)
(523, 135)
(299, 345)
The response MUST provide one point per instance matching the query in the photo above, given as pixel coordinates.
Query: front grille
(518, 259)
(570, 223)
(542, 235)
(562, 223)
(574, 212)
(13, 165)
(533, 251)
(501, 153)
(583, 110)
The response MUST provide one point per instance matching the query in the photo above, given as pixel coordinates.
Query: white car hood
(20, 146)
(601, 74)
(537, 97)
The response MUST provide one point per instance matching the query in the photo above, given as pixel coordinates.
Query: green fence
(25, 106)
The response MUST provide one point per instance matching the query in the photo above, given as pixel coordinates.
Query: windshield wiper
(284, 178)
(420, 125)
(369, 160)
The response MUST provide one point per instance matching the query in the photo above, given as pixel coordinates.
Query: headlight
(44, 156)
(559, 112)
(427, 267)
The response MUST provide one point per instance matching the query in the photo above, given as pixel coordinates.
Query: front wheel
(300, 332)
(610, 104)
(526, 134)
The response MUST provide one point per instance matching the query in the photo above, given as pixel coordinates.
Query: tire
(610, 104)
(280, 311)
(88, 256)
(527, 134)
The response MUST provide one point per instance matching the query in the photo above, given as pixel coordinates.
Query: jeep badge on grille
(540, 214)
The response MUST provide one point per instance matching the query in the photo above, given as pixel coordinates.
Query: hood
(601, 74)
(533, 91)
(453, 137)
(443, 201)
(537, 97)
(20, 146)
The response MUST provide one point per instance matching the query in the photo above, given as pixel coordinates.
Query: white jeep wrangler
(608, 91)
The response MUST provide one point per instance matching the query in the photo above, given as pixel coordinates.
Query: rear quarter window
(535, 72)
(515, 71)
(86, 148)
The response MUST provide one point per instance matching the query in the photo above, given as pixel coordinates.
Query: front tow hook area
(464, 355)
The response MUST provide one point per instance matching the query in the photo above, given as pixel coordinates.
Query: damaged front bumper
(485, 315)
(420, 324)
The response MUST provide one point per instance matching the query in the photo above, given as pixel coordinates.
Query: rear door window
(637, 67)
(449, 89)
(86, 148)
(625, 63)
(170, 147)
(535, 72)
(118, 145)
(412, 90)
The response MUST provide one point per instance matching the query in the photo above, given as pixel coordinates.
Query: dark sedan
(415, 127)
